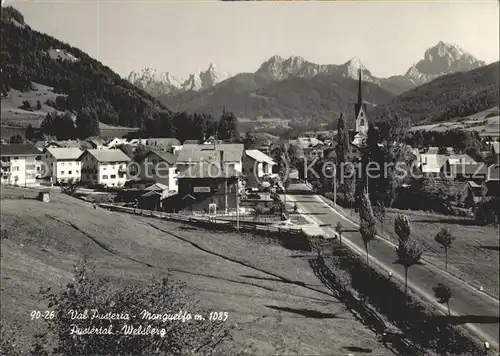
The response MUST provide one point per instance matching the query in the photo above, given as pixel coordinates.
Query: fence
(292, 237)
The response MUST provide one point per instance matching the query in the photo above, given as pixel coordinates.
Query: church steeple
(359, 105)
(361, 121)
(360, 94)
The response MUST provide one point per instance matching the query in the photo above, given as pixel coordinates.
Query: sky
(182, 37)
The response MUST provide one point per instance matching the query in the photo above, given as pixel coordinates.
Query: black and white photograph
(239, 178)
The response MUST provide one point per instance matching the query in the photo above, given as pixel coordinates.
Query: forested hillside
(25, 55)
(448, 97)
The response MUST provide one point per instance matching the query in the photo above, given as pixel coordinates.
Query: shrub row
(421, 324)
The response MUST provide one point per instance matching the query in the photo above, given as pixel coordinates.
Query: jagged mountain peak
(443, 58)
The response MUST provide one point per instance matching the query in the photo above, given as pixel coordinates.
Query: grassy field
(474, 255)
(274, 300)
(486, 123)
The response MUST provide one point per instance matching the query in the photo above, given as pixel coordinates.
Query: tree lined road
(477, 309)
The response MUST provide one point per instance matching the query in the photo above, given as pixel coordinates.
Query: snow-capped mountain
(444, 58)
(154, 82)
(204, 79)
(279, 68)
(159, 83)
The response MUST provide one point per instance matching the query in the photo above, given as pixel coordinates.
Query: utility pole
(237, 206)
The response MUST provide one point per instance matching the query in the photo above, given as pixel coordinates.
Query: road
(481, 309)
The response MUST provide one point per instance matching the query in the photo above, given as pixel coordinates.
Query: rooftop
(232, 152)
(65, 153)
(259, 156)
(108, 155)
(164, 155)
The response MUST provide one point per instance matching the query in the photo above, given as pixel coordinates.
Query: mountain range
(158, 83)
(443, 58)
(294, 87)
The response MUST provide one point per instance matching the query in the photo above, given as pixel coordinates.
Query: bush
(488, 211)
(158, 297)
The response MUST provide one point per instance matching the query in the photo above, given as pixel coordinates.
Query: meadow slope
(274, 300)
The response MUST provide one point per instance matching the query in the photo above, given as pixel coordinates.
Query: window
(77, 171)
(113, 176)
(361, 122)
(70, 172)
(62, 163)
(103, 168)
(104, 177)
(153, 171)
(62, 172)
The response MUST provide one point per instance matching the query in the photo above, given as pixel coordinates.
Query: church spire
(360, 97)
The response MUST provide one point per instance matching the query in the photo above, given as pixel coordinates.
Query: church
(360, 132)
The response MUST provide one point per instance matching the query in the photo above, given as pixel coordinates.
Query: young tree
(368, 225)
(87, 123)
(133, 303)
(228, 128)
(445, 239)
(342, 140)
(402, 228)
(409, 254)
(30, 133)
(339, 229)
(443, 295)
(379, 211)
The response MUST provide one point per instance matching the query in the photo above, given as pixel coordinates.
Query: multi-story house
(105, 167)
(159, 167)
(19, 164)
(256, 165)
(231, 155)
(62, 164)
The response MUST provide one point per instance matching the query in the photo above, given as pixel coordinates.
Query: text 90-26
(47, 314)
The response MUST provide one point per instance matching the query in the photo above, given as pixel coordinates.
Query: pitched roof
(108, 155)
(232, 152)
(432, 163)
(164, 155)
(259, 156)
(208, 171)
(67, 143)
(157, 187)
(65, 153)
(460, 158)
(18, 149)
(188, 142)
(169, 141)
(494, 172)
(307, 142)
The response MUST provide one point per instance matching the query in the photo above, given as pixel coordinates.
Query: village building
(192, 154)
(208, 174)
(159, 167)
(19, 164)
(106, 167)
(116, 142)
(162, 143)
(62, 164)
(256, 165)
(96, 143)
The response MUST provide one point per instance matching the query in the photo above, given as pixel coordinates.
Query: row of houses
(201, 174)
